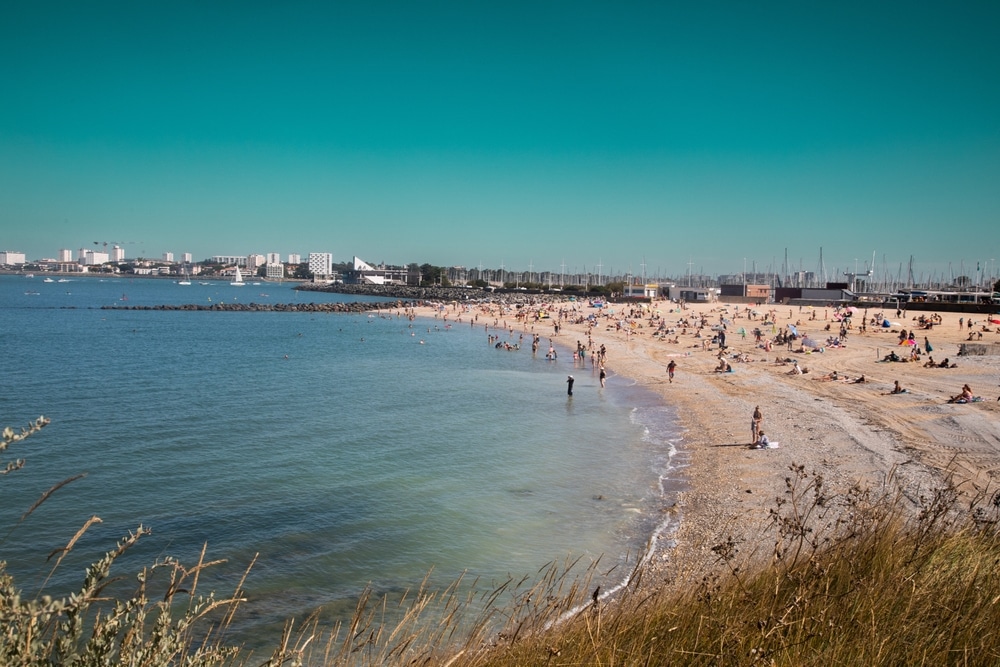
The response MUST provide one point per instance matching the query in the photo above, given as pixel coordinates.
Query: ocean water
(340, 450)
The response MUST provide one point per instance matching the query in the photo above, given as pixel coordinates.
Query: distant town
(319, 267)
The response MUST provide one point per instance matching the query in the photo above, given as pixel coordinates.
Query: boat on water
(238, 280)
(48, 280)
(186, 280)
(29, 275)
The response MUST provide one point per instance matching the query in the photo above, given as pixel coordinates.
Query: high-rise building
(274, 258)
(294, 258)
(117, 253)
(10, 258)
(321, 265)
(186, 257)
(229, 259)
(65, 255)
(168, 257)
(254, 262)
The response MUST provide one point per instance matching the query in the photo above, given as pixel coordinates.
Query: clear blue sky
(541, 133)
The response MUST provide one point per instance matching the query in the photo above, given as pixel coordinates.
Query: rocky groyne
(460, 294)
(354, 307)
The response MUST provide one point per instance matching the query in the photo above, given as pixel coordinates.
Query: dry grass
(852, 581)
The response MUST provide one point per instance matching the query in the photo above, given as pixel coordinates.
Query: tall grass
(857, 579)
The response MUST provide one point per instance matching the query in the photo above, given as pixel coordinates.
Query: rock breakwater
(446, 294)
(354, 307)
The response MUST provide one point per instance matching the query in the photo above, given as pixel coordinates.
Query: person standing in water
(569, 385)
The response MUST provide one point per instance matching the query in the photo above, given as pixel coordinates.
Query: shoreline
(851, 434)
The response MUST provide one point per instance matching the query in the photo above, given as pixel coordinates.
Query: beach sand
(848, 433)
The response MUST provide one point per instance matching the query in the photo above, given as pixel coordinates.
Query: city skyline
(705, 139)
(909, 274)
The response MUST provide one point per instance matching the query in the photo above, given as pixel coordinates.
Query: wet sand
(849, 433)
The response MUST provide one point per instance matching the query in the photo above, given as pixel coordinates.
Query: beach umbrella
(995, 321)
(809, 342)
(792, 328)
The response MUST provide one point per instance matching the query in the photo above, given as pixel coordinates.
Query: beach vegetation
(860, 579)
(873, 576)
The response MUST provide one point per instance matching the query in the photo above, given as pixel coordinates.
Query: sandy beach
(846, 431)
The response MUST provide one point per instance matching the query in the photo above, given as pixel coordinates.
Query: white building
(94, 258)
(168, 257)
(274, 258)
(364, 273)
(186, 257)
(321, 265)
(10, 258)
(229, 259)
(294, 258)
(65, 255)
(275, 270)
(117, 254)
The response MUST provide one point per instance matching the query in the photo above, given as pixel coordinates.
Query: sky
(657, 137)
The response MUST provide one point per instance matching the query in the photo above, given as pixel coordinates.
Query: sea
(335, 453)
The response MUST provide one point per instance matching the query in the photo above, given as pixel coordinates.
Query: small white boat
(186, 281)
(48, 280)
(238, 280)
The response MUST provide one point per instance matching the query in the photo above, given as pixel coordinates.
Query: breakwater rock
(355, 307)
(459, 294)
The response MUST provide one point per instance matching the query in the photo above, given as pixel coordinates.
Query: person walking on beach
(755, 421)
(569, 385)
(603, 375)
(671, 367)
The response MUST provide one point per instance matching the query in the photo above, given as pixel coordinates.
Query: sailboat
(187, 279)
(238, 280)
